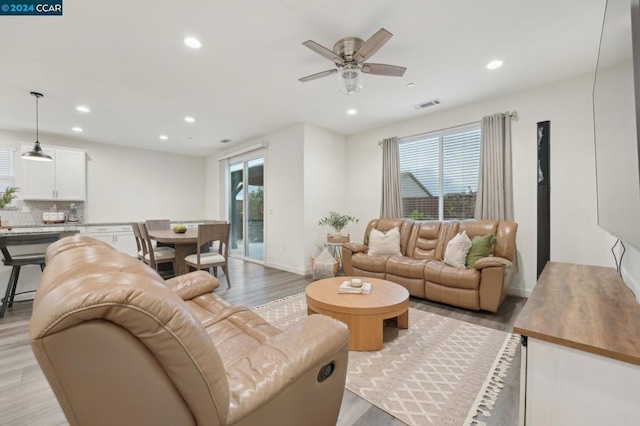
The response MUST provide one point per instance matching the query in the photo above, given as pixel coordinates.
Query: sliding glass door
(246, 208)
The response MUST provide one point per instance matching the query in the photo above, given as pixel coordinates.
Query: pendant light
(36, 153)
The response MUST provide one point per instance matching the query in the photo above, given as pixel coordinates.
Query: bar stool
(19, 260)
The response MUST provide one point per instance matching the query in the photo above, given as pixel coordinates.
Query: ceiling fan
(349, 55)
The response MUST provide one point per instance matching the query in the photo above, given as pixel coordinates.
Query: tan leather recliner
(120, 346)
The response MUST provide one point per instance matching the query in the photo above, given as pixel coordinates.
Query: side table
(335, 246)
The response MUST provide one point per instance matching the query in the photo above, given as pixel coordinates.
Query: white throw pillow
(384, 243)
(457, 250)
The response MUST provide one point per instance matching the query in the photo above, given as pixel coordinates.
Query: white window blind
(439, 173)
(7, 175)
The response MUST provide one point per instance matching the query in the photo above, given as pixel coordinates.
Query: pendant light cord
(37, 127)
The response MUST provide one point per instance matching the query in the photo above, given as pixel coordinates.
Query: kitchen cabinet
(120, 237)
(62, 179)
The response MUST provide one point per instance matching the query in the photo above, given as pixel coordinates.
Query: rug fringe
(488, 396)
(273, 302)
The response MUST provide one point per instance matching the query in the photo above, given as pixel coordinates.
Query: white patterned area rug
(440, 371)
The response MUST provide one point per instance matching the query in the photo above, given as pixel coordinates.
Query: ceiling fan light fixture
(36, 153)
(349, 79)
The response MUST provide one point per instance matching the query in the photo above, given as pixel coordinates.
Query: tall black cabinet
(544, 182)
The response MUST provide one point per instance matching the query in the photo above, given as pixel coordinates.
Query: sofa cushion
(403, 266)
(384, 243)
(423, 240)
(440, 273)
(369, 263)
(457, 250)
(480, 247)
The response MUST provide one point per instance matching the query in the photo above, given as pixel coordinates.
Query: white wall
(214, 195)
(575, 236)
(325, 174)
(631, 270)
(127, 184)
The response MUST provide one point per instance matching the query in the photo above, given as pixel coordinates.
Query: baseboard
(288, 268)
(520, 292)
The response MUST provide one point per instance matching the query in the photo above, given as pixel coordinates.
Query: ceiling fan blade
(318, 75)
(321, 50)
(383, 69)
(372, 45)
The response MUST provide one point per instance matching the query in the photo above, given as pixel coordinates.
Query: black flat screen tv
(616, 109)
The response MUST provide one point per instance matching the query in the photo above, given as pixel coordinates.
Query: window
(439, 173)
(7, 175)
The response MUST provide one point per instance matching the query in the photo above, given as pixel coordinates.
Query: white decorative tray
(346, 288)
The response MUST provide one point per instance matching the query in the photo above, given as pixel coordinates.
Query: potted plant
(8, 196)
(337, 221)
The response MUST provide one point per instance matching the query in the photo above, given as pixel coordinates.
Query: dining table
(185, 243)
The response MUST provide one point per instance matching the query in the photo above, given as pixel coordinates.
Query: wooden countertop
(583, 307)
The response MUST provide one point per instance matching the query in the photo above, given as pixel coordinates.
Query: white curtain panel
(391, 192)
(495, 183)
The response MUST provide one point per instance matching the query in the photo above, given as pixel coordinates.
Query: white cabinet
(62, 179)
(580, 349)
(120, 237)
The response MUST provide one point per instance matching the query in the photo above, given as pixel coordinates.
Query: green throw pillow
(480, 247)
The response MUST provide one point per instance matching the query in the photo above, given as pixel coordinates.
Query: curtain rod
(512, 115)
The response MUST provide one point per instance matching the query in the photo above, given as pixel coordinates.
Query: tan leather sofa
(421, 268)
(121, 346)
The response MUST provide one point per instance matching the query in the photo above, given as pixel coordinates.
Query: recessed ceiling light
(77, 129)
(193, 42)
(352, 111)
(494, 64)
(164, 137)
(83, 108)
(190, 119)
(411, 84)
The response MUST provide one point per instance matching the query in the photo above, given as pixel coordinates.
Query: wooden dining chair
(140, 243)
(158, 224)
(215, 246)
(203, 259)
(154, 256)
(16, 261)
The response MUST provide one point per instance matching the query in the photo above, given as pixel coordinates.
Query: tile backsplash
(30, 212)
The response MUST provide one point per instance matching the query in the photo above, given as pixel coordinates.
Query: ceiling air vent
(225, 141)
(427, 104)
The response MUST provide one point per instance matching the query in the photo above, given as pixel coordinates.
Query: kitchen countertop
(74, 224)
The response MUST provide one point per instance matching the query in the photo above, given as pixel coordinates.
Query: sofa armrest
(284, 359)
(348, 250)
(355, 247)
(193, 284)
(492, 261)
(495, 278)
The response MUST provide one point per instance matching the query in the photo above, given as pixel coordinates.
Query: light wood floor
(26, 399)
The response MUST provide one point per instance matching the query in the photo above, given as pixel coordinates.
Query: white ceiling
(126, 60)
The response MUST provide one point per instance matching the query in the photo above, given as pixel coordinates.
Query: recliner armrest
(355, 247)
(492, 261)
(282, 360)
(193, 284)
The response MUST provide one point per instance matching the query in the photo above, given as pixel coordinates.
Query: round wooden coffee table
(362, 313)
